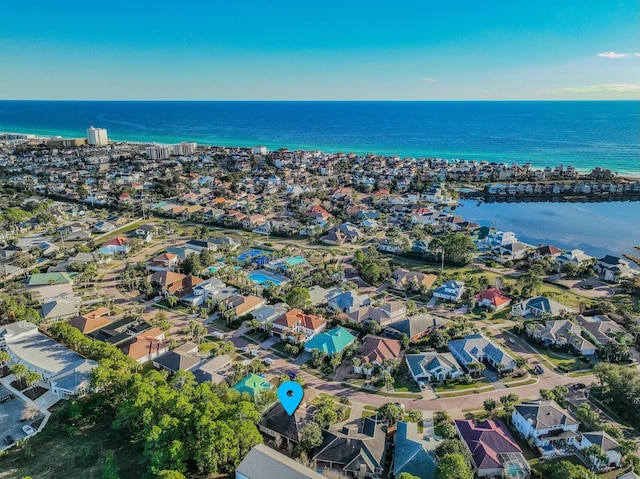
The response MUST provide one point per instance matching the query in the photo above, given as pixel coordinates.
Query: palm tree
(31, 378)
(19, 371)
(4, 358)
(172, 301)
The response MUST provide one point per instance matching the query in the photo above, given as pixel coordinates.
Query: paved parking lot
(10, 419)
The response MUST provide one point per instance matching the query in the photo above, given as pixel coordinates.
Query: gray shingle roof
(263, 462)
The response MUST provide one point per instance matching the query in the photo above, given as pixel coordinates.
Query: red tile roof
(493, 295)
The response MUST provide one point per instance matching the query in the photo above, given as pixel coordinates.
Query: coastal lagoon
(584, 134)
(596, 228)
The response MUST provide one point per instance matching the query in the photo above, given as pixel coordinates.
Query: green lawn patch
(221, 325)
(481, 383)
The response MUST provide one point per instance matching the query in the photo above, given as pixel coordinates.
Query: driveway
(494, 377)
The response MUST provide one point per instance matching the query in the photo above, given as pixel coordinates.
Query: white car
(268, 361)
(422, 385)
(28, 430)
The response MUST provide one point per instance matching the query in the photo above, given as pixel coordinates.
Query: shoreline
(168, 140)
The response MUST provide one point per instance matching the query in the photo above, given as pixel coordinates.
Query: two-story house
(296, 326)
(546, 423)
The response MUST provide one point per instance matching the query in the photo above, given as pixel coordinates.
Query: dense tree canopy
(620, 390)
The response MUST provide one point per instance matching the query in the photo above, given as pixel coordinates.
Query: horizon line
(321, 101)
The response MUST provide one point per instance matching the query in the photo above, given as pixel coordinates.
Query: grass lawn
(536, 463)
(462, 387)
(221, 325)
(62, 451)
(402, 383)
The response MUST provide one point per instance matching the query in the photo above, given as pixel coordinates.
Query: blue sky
(329, 50)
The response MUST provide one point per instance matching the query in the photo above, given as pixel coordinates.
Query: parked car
(268, 361)
(9, 440)
(579, 386)
(6, 398)
(28, 430)
(511, 340)
(422, 385)
(538, 369)
(292, 375)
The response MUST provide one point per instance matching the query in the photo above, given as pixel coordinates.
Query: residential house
(65, 372)
(348, 302)
(510, 251)
(115, 246)
(562, 332)
(183, 358)
(449, 290)
(254, 385)
(608, 445)
(418, 326)
(162, 262)
(384, 315)
(199, 245)
(103, 227)
(574, 256)
(414, 452)
(492, 299)
(59, 309)
(242, 305)
(209, 371)
(475, 348)
(494, 451)
(48, 250)
(87, 258)
(225, 243)
(613, 268)
(209, 289)
(262, 462)
(333, 341)
(539, 306)
(145, 232)
(375, 350)
(546, 423)
(269, 313)
(320, 295)
(147, 346)
(603, 328)
(334, 237)
(296, 326)
(546, 251)
(119, 332)
(174, 284)
(353, 451)
(432, 366)
(277, 423)
(405, 280)
(48, 286)
(93, 321)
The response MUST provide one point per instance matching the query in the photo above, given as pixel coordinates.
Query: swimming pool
(261, 278)
(252, 253)
(294, 261)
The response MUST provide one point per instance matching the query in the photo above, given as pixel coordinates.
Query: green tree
(448, 430)
(172, 301)
(191, 264)
(406, 475)
(110, 466)
(310, 436)
(489, 405)
(391, 412)
(169, 474)
(19, 371)
(298, 298)
(453, 466)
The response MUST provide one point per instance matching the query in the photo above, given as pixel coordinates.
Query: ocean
(578, 133)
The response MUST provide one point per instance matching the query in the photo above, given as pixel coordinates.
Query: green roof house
(43, 279)
(253, 384)
(333, 341)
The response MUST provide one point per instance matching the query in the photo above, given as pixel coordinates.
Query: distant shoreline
(46, 134)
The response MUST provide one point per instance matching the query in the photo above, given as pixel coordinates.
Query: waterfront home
(296, 326)
(405, 280)
(539, 306)
(492, 299)
(375, 350)
(494, 451)
(414, 452)
(388, 313)
(613, 268)
(418, 326)
(511, 251)
(608, 445)
(333, 341)
(574, 256)
(352, 450)
(546, 251)
(64, 371)
(546, 423)
(262, 462)
(475, 348)
(432, 366)
(449, 290)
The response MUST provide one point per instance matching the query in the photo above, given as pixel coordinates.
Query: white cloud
(617, 55)
(429, 80)
(620, 88)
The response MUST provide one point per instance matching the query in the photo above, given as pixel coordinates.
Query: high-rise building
(159, 152)
(184, 148)
(97, 136)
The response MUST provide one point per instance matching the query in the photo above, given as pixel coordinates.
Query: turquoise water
(295, 261)
(579, 133)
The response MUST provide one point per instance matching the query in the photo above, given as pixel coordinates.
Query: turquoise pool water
(260, 278)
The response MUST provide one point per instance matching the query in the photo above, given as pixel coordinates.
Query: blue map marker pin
(290, 394)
